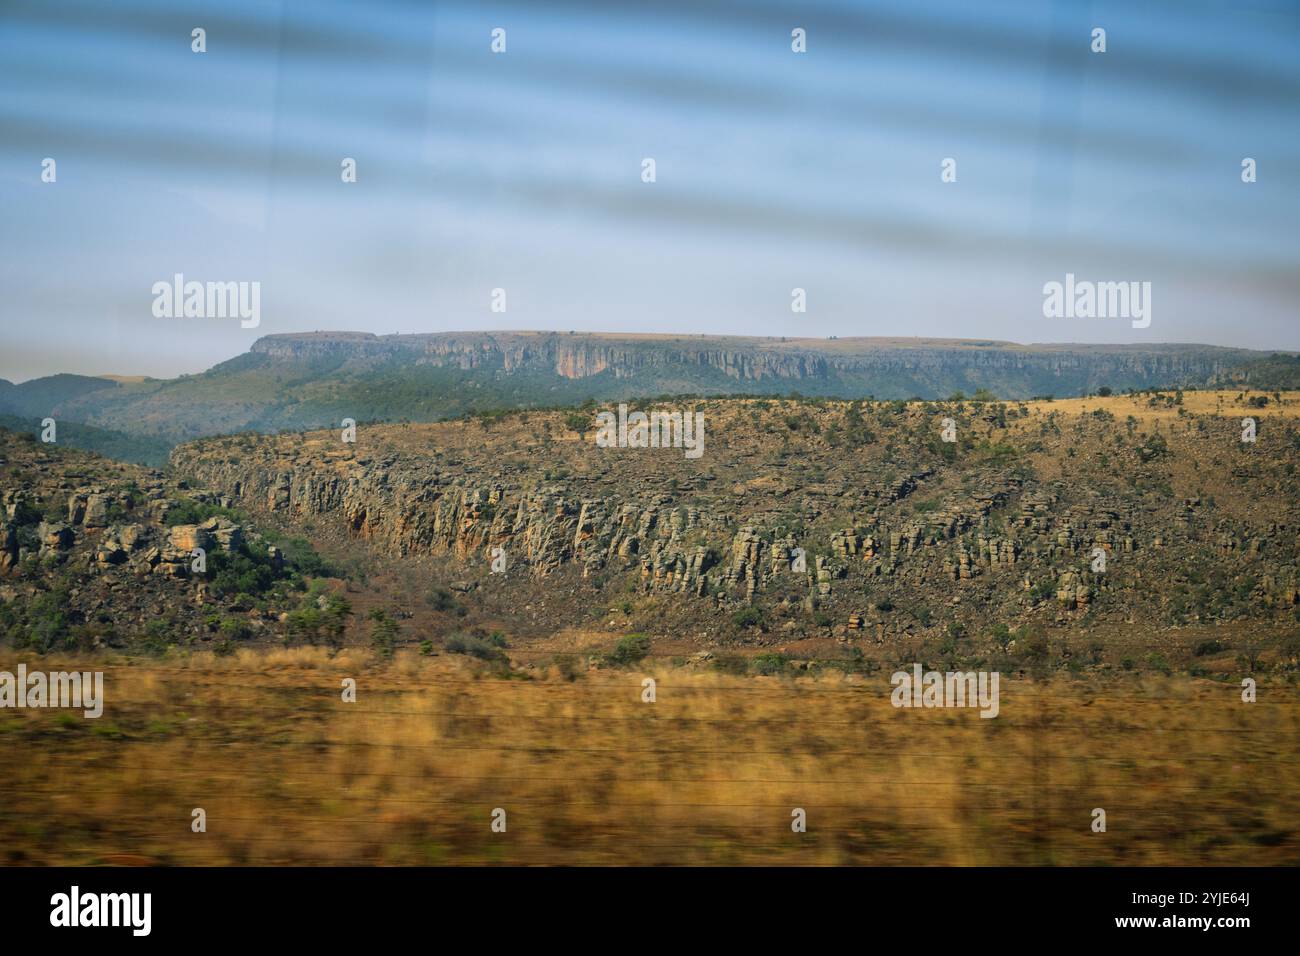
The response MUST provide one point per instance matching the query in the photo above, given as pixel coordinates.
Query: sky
(522, 170)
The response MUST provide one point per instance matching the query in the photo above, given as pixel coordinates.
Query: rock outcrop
(744, 526)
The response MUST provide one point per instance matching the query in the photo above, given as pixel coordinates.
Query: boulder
(187, 537)
(96, 515)
(55, 537)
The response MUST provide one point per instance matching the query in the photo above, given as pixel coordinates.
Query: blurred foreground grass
(587, 773)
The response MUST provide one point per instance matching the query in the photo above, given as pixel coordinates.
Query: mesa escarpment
(310, 380)
(853, 519)
(882, 366)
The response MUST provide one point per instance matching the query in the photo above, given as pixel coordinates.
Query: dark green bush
(629, 650)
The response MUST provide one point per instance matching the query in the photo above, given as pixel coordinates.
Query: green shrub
(1160, 663)
(769, 664)
(234, 629)
(629, 650)
(474, 646)
(440, 599)
(48, 622)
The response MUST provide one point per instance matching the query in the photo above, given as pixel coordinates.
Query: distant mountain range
(315, 379)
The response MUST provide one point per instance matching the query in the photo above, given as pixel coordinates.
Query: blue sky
(522, 170)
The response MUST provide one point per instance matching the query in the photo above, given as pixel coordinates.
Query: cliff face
(813, 505)
(840, 365)
(401, 509)
(311, 380)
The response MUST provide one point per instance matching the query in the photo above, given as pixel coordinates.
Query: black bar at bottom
(331, 906)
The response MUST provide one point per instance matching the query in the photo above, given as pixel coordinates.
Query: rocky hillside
(100, 554)
(820, 519)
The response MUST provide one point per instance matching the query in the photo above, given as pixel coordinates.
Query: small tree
(383, 632)
(578, 422)
(335, 619)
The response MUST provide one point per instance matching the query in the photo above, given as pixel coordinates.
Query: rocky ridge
(96, 553)
(887, 517)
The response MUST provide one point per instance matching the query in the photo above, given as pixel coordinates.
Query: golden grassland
(1228, 403)
(589, 773)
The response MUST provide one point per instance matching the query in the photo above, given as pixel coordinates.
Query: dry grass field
(588, 773)
(1147, 409)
